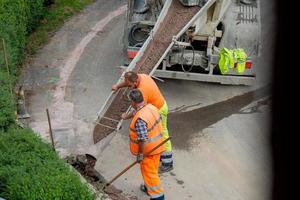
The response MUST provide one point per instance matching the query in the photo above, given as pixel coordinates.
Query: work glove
(139, 157)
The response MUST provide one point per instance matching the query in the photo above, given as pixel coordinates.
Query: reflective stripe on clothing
(154, 187)
(150, 129)
(166, 158)
(151, 116)
(149, 169)
(155, 124)
(148, 140)
(166, 154)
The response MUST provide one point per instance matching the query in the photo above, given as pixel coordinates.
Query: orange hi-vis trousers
(149, 169)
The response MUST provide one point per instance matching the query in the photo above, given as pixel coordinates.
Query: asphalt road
(221, 141)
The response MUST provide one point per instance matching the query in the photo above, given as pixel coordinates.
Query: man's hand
(128, 115)
(124, 116)
(139, 157)
(115, 87)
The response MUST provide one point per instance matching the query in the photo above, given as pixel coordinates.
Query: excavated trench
(85, 164)
(176, 18)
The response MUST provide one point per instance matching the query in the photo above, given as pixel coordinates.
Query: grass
(31, 170)
(55, 17)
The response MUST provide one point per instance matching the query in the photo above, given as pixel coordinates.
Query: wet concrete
(183, 126)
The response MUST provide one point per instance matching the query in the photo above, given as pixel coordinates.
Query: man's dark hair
(136, 96)
(131, 76)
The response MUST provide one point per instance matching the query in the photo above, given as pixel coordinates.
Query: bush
(29, 169)
(7, 105)
(17, 19)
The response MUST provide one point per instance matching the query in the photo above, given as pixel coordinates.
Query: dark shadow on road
(183, 126)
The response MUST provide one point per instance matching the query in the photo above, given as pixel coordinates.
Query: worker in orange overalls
(145, 134)
(151, 94)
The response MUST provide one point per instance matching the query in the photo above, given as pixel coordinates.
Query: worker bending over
(152, 95)
(145, 134)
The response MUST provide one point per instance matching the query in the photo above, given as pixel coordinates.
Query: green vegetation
(29, 169)
(54, 18)
(26, 25)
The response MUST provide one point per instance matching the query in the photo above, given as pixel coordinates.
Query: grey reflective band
(150, 129)
(167, 160)
(155, 124)
(154, 187)
(158, 187)
(154, 138)
(149, 140)
(166, 153)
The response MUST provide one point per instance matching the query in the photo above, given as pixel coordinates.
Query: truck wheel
(136, 35)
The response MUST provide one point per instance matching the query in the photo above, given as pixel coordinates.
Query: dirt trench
(85, 164)
(176, 18)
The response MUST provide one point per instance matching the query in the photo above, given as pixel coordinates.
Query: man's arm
(115, 87)
(141, 130)
(128, 115)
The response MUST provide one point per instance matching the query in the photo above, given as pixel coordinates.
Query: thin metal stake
(50, 129)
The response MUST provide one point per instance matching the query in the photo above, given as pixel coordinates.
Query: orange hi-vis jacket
(150, 91)
(151, 116)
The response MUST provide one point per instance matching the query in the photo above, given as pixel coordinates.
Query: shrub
(7, 105)
(17, 19)
(29, 169)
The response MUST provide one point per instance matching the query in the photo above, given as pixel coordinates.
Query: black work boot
(164, 168)
(144, 189)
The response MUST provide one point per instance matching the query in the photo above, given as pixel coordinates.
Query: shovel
(127, 168)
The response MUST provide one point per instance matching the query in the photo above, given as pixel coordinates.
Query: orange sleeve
(145, 96)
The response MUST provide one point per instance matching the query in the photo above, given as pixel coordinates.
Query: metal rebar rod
(105, 126)
(50, 129)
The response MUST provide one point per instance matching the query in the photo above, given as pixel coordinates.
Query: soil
(81, 164)
(177, 17)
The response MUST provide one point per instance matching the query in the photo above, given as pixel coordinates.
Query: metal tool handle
(131, 165)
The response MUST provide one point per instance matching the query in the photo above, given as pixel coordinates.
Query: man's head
(131, 79)
(136, 98)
